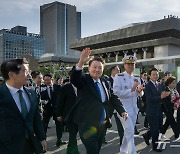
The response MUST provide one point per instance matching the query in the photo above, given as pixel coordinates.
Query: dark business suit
(153, 111)
(50, 109)
(144, 101)
(66, 100)
(16, 132)
(111, 108)
(89, 109)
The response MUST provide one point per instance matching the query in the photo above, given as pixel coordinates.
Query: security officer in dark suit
(90, 112)
(154, 96)
(50, 96)
(38, 87)
(66, 100)
(114, 70)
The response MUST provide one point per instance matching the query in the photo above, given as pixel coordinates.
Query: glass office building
(16, 42)
(60, 24)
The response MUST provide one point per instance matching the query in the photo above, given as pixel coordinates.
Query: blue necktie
(104, 112)
(24, 110)
(97, 89)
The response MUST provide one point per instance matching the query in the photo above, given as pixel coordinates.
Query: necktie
(103, 117)
(24, 110)
(97, 89)
(156, 85)
(51, 92)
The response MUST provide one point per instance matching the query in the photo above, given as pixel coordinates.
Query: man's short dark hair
(66, 81)
(167, 73)
(112, 68)
(12, 65)
(143, 72)
(34, 74)
(48, 75)
(170, 80)
(153, 69)
(97, 59)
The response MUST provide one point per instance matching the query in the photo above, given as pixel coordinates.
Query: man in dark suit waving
(19, 114)
(93, 97)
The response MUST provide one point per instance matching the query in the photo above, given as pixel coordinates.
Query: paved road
(113, 142)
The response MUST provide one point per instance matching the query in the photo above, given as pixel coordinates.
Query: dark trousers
(170, 121)
(178, 120)
(72, 147)
(119, 127)
(92, 137)
(28, 147)
(146, 122)
(155, 123)
(59, 127)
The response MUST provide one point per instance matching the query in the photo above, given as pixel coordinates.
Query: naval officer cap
(130, 59)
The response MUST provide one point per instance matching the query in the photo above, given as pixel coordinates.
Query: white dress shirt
(103, 95)
(15, 95)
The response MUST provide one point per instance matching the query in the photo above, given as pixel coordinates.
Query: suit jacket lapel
(153, 86)
(92, 86)
(105, 89)
(30, 98)
(11, 101)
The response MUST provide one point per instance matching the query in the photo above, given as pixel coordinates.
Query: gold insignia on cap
(130, 59)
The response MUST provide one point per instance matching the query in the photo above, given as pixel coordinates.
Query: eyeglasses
(145, 74)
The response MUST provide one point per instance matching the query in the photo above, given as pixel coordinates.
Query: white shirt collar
(112, 77)
(128, 74)
(13, 90)
(155, 83)
(97, 80)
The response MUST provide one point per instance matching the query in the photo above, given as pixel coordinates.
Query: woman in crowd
(168, 108)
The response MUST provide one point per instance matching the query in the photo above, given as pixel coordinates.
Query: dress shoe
(177, 140)
(59, 142)
(137, 122)
(157, 150)
(143, 114)
(164, 138)
(146, 139)
(136, 132)
(105, 142)
(146, 125)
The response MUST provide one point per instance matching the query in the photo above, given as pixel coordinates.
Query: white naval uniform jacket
(122, 86)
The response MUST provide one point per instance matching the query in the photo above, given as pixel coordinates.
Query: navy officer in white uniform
(127, 87)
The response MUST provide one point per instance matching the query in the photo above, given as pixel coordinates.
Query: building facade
(60, 24)
(155, 43)
(16, 42)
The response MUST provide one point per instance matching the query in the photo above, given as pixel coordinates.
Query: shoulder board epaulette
(136, 75)
(120, 74)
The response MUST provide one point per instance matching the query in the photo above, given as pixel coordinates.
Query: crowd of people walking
(85, 104)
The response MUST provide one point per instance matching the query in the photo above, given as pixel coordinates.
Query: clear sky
(98, 16)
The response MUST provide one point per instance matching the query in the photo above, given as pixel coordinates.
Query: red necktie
(156, 85)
